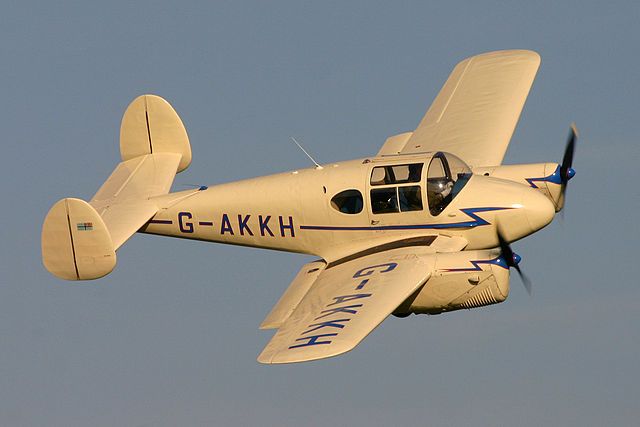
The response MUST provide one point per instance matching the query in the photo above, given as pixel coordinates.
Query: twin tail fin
(79, 238)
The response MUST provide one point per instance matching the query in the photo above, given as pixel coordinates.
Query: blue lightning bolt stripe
(499, 261)
(553, 178)
(476, 221)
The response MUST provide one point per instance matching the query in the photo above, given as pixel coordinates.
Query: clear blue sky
(171, 336)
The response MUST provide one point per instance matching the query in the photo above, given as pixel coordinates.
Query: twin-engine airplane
(423, 226)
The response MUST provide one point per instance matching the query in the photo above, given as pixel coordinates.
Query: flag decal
(85, 226)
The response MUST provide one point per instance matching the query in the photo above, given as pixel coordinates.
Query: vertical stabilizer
(79, 239)
(151, 125)
(76, 244)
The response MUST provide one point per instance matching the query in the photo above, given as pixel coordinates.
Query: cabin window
(393, 198)
(396, 174)
(384, 200)
(348, 202)
(396, 199)
(446, 176)
(410, 198)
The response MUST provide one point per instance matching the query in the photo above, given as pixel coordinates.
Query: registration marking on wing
(342, 305)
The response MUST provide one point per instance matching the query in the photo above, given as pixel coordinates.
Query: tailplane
(79, 239)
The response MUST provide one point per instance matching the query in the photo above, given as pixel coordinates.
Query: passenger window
(348, 202)
(377, 176)
(384, 200)
(396, 174)
(396, 199)
(400, 173)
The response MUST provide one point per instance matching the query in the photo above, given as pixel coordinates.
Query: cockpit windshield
(446, 176)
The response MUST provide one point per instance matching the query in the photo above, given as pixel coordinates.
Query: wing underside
(346, 302)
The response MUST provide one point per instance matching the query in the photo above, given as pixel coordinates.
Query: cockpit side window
(446, 176)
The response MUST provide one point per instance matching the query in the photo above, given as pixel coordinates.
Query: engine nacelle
(466, 280)
(544, 177)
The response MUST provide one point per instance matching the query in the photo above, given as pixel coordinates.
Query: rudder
(76, 244)
(151, 125)
(79, 239)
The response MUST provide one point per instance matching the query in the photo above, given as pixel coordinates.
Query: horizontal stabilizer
(124, 202)
(76, 244)
(79, 239)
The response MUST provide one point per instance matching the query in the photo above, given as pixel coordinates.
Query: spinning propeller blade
(566, 171)
(513, 259)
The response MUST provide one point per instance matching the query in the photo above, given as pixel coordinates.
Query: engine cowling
(545, 177)
(462, 280)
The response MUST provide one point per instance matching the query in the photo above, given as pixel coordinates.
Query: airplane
(422, 227)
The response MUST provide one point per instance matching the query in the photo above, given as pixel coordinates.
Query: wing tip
(278, 358)
(516, 54)
(512, 52)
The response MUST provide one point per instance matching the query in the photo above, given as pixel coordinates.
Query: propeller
(566, 171)
(512, 259)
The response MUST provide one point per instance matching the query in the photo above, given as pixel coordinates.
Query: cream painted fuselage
(293, 211)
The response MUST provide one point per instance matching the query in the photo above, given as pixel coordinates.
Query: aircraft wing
(346, 302)
(477, 109)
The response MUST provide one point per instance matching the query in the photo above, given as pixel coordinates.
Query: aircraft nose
(539, 210)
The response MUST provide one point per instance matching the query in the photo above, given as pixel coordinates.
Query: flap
(347, 302)
(293, 295)
(394, 144)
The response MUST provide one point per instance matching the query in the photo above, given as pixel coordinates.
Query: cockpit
(400, 187)
(446, 176)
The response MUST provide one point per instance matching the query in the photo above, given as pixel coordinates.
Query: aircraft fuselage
(293, 211)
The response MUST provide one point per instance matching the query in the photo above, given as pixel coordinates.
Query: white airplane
(423, 226)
